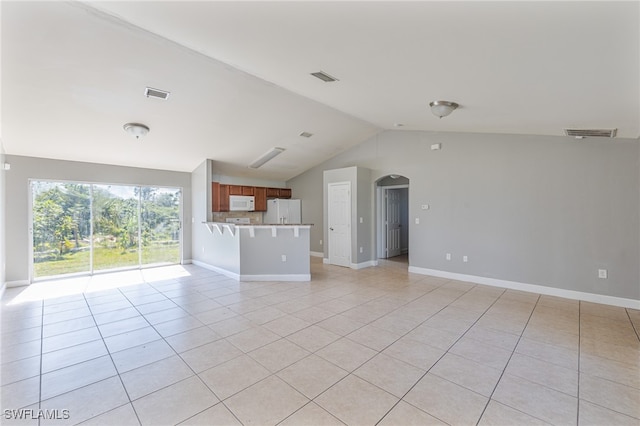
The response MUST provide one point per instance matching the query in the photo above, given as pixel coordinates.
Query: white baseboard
(283, 277)
(532, 288)
(316, 253)
(187, 262)
(325, 261)
(263, 277)
(216, 269)
(17, 283)
(363, 265)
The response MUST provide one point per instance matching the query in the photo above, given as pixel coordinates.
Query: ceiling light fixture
(306, 134)
(136, 129)
(267, 156)
(442, 108)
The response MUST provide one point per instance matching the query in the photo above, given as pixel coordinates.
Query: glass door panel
(61, 228)
(160, 225)
(115, 227)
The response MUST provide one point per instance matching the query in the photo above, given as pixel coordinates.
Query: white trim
(264, 277)
(363, 265)
(325, 260)
(316, 253)
(17, 283)
(187, 262)
(2, 289)
(283, 277)
(216, 269)
(532, 288)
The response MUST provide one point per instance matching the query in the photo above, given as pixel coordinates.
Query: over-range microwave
(242, 203)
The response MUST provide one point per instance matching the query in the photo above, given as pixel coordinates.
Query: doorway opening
(81, 228)
(392, 193)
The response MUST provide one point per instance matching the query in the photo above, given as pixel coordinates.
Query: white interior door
(339, 221)
(393, 222)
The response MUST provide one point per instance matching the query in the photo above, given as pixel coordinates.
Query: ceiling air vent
(306, 134)
(589, 133)
(156, 93)
(324, 76)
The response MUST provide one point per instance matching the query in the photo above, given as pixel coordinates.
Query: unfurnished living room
(320, 213)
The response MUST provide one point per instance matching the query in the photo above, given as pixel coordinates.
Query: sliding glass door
(160, 219)
(115, 227)
(61, 228)
(82, 228)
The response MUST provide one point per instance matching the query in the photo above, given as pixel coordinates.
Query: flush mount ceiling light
(137, 130)
(306, 134)
(267, 156)
(442, 108)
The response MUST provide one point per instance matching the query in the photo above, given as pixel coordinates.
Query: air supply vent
(324, 76)
(589, 133)
(306, 134)
(156, 93)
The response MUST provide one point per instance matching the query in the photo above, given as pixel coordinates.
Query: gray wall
(17, 196)
(262, 254)
(540, 210)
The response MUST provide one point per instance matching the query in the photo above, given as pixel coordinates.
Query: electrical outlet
(417, 221)
(284, 257)
(602, 273)
(361, 220)
(320, 242)
(465, 259)
(361, 250)
(425, 207)
(447, 256)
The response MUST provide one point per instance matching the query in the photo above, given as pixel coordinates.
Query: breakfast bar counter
(258, 252)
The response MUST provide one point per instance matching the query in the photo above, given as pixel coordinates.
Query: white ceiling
(238, 73)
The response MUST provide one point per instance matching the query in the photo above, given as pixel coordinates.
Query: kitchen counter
(258, 252)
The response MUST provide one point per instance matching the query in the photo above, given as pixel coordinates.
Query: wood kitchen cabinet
(220, 193)
(235, 189)
(278, 192)
(224, 198)
(260, 194)
(285, 193)
(273, 192)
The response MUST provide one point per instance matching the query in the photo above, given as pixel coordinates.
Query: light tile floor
(184, 345)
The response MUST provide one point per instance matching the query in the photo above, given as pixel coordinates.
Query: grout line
(113, 363)
(579, 353)
(507, 364)
(632, 324)
(41, 357)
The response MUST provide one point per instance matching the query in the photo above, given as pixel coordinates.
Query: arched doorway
(392, 193)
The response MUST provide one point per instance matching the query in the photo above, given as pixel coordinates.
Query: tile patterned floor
(184, 345)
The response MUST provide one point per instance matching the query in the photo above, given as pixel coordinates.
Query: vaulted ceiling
(238, 73)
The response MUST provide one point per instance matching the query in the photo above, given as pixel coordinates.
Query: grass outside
(107, 258)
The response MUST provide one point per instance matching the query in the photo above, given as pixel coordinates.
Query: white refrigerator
(283, 211)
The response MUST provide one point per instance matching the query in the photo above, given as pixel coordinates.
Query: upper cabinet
(220, 195)
(261, 198)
